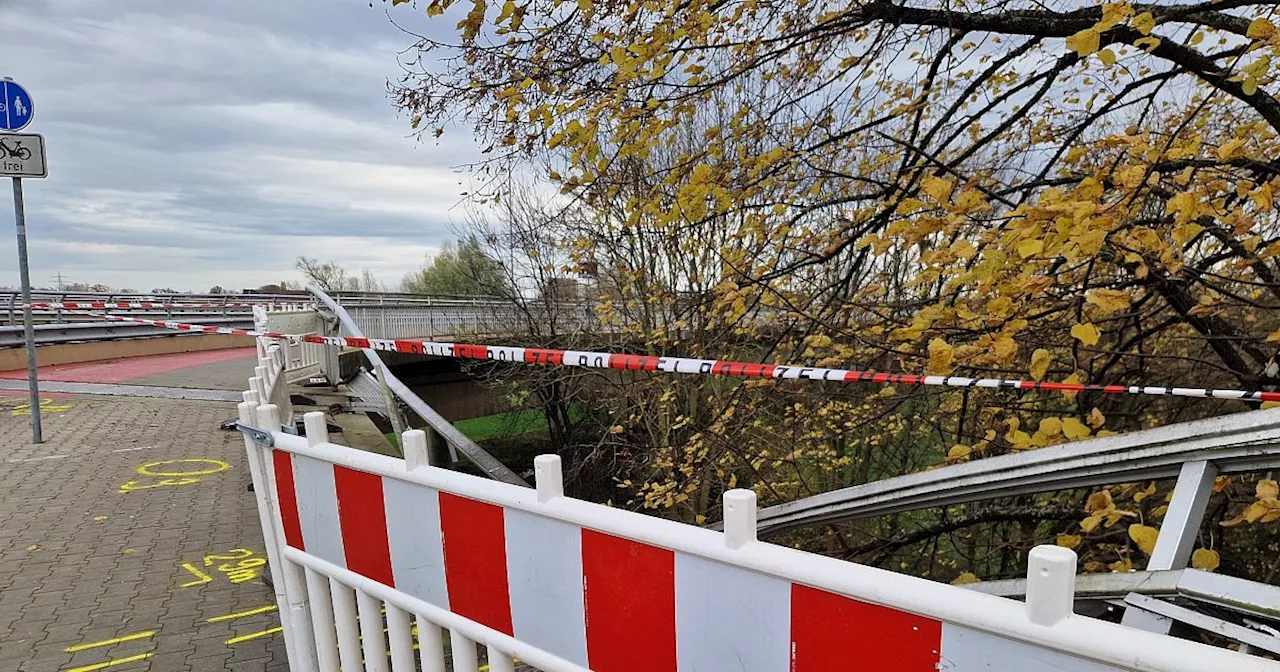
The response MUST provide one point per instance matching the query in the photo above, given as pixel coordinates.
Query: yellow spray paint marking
(46, 406)
(109, 642)
(241, 564)
(170, 477)
(241, 614)
(254, 635)
(111, 663)
(209, 467)
(201, 577)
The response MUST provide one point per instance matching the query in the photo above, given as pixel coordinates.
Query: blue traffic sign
(15, 106)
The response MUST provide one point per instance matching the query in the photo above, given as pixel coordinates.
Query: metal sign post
(22, 155)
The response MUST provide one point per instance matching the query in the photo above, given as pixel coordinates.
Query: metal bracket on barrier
(259, 437)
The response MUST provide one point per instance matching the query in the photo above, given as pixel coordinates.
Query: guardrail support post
(439, 448)
(1178, 534)
(317, 430)
(739, 517)
(549, 477)
(1051, 584)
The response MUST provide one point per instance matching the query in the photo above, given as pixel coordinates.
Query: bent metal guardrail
(566, 585)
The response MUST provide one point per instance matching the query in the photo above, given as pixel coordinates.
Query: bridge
(526, 564)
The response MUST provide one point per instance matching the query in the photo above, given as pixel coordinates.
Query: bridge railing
(563, 584)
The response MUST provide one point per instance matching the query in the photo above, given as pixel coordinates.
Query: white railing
(518, 570)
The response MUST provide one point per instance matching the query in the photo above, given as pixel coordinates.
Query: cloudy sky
(199, 144)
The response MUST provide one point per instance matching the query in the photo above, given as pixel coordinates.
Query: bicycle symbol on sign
(17, 151)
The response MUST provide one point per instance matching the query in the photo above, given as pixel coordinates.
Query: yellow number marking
(255, 635)
(218, 465)
(202, 578)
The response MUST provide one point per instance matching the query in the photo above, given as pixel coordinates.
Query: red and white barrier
(130, 305)
(569, 585)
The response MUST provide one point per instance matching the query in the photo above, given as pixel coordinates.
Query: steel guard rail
(519, 569)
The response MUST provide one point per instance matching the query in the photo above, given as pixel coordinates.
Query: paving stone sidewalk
(128, 541)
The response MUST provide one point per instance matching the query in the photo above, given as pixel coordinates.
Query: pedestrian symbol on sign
(16, 109)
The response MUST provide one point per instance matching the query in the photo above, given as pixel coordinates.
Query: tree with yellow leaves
(1002, 187)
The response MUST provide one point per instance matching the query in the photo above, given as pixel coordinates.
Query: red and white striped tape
(714, 367)
(101, 305)
(608, 603)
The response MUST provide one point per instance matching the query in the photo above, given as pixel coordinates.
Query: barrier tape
(99, 305)
(714, 367)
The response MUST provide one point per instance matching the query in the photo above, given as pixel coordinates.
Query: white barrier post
(316, 428)
(430, 645)
(414, 443)
(400, 634)
(296, 587)
(372, 642)
(247, 410)
(500, 662)
(739, 517)
(465, 658)
(322, 620)
(344, 616)
(549, 477)
(1051, 584)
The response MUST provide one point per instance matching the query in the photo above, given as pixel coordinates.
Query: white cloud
(200, 144)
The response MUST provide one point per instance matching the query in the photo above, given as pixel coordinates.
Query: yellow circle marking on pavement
(204, 467)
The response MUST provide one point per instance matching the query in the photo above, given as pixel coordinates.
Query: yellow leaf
(1004, 348)
(1070, 395)
(1144, 537)
(958, 452)
(585, 5)
(1086, 333)
(1147, 43)
(1145, 493)
(1206, 559)
(1122, 565)
(1073, 429)
(1040, 360)
(940, 356)
(1113, 14)
(1110, 300)
(1107, 57)
(1144, 23)
(1249, 86)
(1068, 540)
(1030, 248)
(965, 577)
(1267, 489)
(1099, 501)
(1090, 523)
(1051, 426)
(1231, 149)
(1096, 419)
(936, 187)
(1084, 42)
(1260, 29)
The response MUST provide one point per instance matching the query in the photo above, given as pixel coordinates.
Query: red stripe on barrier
(414, 347)
(472, 351)
(633, 362)
(540, 356)
(313, 339)
(630, 601)
(475, 561)
(832, 632)
(288, 498)
(357, 342)
(363, 519)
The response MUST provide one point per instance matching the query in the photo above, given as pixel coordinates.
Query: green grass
(503, 424)
(513, 423)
